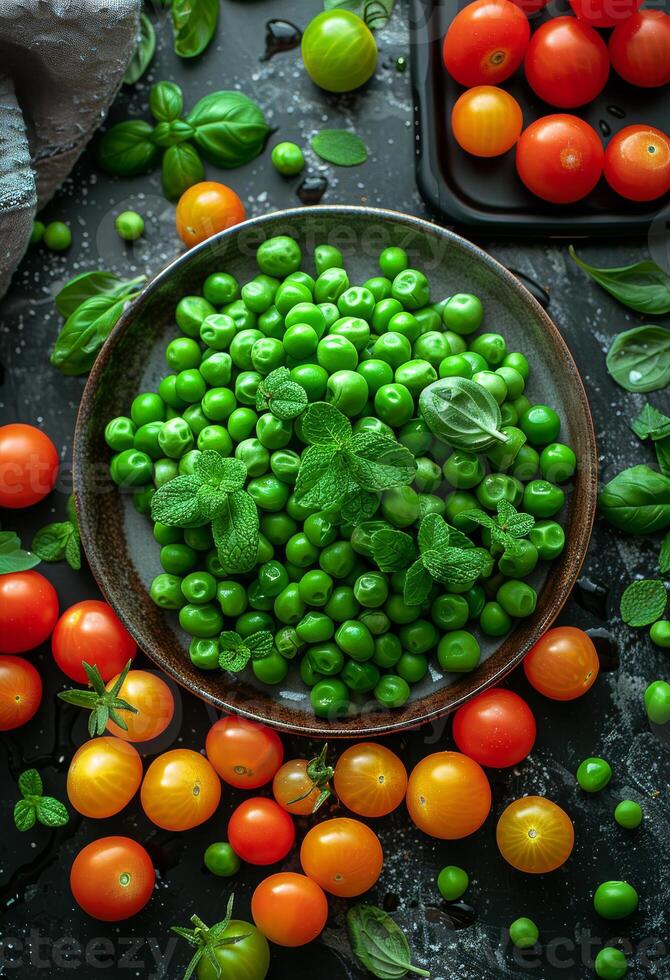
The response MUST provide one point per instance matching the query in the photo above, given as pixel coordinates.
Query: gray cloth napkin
(61, 64)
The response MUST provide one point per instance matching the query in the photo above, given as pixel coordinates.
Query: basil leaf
(639, 359)
(379, 944)
(340, 147)
(194, 23)
(144, 52)
(172, 133)
(182, 167)
(643, 602)
(84, 333)
(127, 150)
(50, 541)
(651, 424)
(462, 413)
(12, 556)
(236, 533)
(166, 101)
(73, 550)
(230, 129)
(662, 447)
(644, 286)
(95, 283)
(637, 500)
(664, 556)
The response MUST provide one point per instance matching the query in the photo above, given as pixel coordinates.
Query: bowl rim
(386, 721)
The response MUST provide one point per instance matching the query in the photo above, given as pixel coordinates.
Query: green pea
(518, 362)
(166, 591)
(517, 598)
(463, 470)
(204, 653)
(232, 598)
(315, 588)
(454, 366)
(213, 565)
(326, 658)
(221, 860)
(476, 361)
(300, 551)
(342, 604)
(199, 587)
(302, 279)
(360, 677)
(392, 691)
(187, 462)
(308, 675)
(347, 391)
(659, 633)
(253, 620)
(376, 621)
(330, 285)
(520, 563)
(393, 348)
(514, 381)
(458, 651)
(288, 643)
(548, 538)
(246, 387)
(371, 590)
(273, 433)
(406, 324)
(380, 287)
(190, 386)
(494, 620)
(199, 538)
(463, 313)
(393, 261)
(287, 158)
(388, 650)
(491, 346)
(327, 257)
(594, 774)
(141, 500)
(217, 331)
(494, 488)
(271, 669)
(313, 379)
(657, 702)
(355, 639)
(182, 353)
(57, 236)
(272, 578)
(242, 423)
(418, 638)
(542, 499)
(503, 455)
(131, 468)
(433, 347)
(220, 288)
(394, 404)
(336, 353)
(196, 418)
(416, 436)
(190, 312)
(279, 256)
(524, 933)
(611, 964)
(216, 439)
(411, 288)
(628, 814)
(356, 301)
(493, 383)
(508, 414)
(428, 475)
(541, 425)
(120, 433)
(557, 462)
(147, 407)
(456, 503)
(37, 233)
(452, 882)
(216, 368)
(415, 375)
(338, 559)
(201, 620)
(166, 535)
(412, 667)
(450, 612)
(329, 698)
(383, 313)
(615, 899)
(400, 506)
(476, 600)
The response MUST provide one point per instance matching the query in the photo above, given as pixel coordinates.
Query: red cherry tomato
(560, 158)
(563, 664)
(566, 63)
(486, 42)
(637, 163)
(28, 611)
(244, 754)
(28, 465)
(496, 728)
(289, 909)
(604, 13)
(260, 832)
(20, 692)
(91, 631)
(531, 6)
(205, 209)
(640, 49)
(112, 878)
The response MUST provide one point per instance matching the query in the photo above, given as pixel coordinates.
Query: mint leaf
(260, 644)
(51, 812)
(212, 503)
(25, 815)
(73, 550)
(235, 653)
(392, 550)
(30, 783)
(514, 523)
(340, 147)
(418, 584)
(325, 425)
(176, 502)
(378, 462)
(236, 533)
(323, 478)
(285, 398)
(50, 541)
(359, 506)
(434, 532)
(34, 806)
(453, 566)
(12, 556)
(643, 602)
(223, 472)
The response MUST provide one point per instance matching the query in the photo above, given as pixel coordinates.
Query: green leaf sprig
(237, 652)
(35, 807)
(340, 464)
(286, 399)
(92, 303)
(13, 558)
(643, 602)
(442, 558)
(59, 540)
(104, 705)
(506, 528)
(214, 493)
(207, 940)
(226, 127)
(643, 286)
(379, 944)
(320, 774)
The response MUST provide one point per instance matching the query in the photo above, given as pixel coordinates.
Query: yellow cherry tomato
(104, 775)
(153, 699)
(180, 790)
(535, 835)
(370, 779)
(486, 121)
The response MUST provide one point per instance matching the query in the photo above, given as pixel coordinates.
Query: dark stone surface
(38, 912)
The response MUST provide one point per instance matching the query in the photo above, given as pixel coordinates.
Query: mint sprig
(237, 652)
(104, 705)
(60, 540)
(506, 528)
(286, 399)
(207, 940)
(439, 561)
(35, 807)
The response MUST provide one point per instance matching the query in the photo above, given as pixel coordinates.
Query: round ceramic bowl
(119, 543)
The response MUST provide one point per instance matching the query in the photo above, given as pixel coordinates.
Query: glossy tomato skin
(293, 790)
(563, 664)
(535, 835)
(112, 878)
(244, 753)
(496, 728)
(28, 465)
(260, 831)
(486, 121)
(205, 209)
(560, 158)
(604, 13)
(344, 856)
(91, 631)
(289, 909)
(28, 611)
(640, 49)
(149, 693)
(637, 163)
(566, 63)
(370, 780)
(248, 959)
(339, 51)
(448, 795)
(486, 42)
(180, 790)
(20, 692)
(104, 775)
(531, 6)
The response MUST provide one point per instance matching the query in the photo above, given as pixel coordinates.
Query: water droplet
(280, 36)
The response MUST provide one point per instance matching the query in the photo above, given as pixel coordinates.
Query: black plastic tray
(487, 194)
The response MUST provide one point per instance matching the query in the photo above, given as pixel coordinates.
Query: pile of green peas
(370, 350)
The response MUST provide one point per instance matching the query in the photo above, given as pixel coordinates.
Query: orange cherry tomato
(560, 158)
(180, 790)
(343, 856)
(637, 163)
(260, 832)
(496, 728)
(293, 789)
(486, 121)
(370, 779)
(153, 699)
(563, 664)
(91, 631)
(486, 42)
(448, 795)
(112, 878)
(104, 775)
(28, 611)
(205, 209)
(535, 835)
(20, 692)
(28, 465)
(289, 909)
(244, 753)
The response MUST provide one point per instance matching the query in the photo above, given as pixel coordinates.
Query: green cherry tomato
(659, 633)
(221, 860)
(657, 702)
(339, 51)
(524, 933)
(329, 698)
(611, 964)
(287, 158)
(463, 314)
(615, 899)
(628, 814)
(129, 225)
(57, 236)
(593, 774)
(541, 425)
(458, 651)
(452, 882)
(392, 691)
